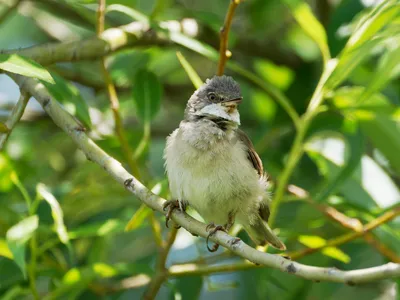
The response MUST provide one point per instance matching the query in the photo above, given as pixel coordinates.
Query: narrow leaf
(337, 254)
(138, 218)
(147, 93)
(56, 212)
(311, 26)
(18, 236)
(194, 77)
(69, 95)
(20, 65)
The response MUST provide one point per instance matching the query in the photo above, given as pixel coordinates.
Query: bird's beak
(232, 102)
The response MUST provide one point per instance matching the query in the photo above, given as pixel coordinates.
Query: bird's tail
(262, 234)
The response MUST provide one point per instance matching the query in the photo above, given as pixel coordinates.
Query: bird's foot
(170, 206)
(212, 228)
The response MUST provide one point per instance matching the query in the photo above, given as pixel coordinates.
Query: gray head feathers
(224, 87)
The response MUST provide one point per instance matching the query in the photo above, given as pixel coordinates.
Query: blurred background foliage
(62, 219)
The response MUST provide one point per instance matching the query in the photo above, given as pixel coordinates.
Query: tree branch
(9, 10)
(66, 122)
(224, 53)
(15, 116)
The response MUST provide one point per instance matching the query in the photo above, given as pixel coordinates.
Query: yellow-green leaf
(3, 128)
(311, 26)
(336, 253)
(20, 65)
(312, 241)
(56, 212)
(194, 77)
(138, 218)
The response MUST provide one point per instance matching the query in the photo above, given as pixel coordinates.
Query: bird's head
(217, 98)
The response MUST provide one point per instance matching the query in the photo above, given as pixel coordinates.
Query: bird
(212, 165)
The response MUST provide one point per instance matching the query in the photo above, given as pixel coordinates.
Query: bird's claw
(170, 206)
(213, 229)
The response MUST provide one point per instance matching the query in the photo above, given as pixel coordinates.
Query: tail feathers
(262, 234)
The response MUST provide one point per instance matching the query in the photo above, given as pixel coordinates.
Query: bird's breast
(213, 179)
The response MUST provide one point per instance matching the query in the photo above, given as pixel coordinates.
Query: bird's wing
(257, 164)
(251, 152)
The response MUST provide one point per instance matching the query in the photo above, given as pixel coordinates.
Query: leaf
(4, 128)
(133, 13)
(311, 26)
(194, 77)
(97, 229)
(5, 250)
(337, 254)
(9, 274)
(147, 93)
(56, 212)
(6, 169)
(368, 34)
(385, 136)
(138, 218)
(356, 144)
(313, 241)
(69, 95)
(20, 65)
(388, 67)
(18, 236)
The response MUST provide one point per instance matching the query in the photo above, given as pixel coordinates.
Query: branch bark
(66, 122)
(15, 116)
(224, 53)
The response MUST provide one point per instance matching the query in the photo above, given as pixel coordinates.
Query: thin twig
(386, 217)
(115, 169)
(224, 53)
(345, 221)
(113, 97)
(9, 10)
(161, 271)
(15, 116)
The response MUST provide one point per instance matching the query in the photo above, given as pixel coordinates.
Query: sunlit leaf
(388, 67)
(97, 229)
(20, 65)
(56, 212)
(337, 254)
(69, 95)
(312, 241)
(311, 26)
(6, 170)
(147, 93)
(194, 77)
(5, 250)
(18, 236)
(138, 218)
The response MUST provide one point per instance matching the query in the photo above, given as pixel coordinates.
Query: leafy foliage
(320, 73)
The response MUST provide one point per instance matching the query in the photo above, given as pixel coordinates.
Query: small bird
(212, 165)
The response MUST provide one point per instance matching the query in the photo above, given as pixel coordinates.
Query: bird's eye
(212, 97)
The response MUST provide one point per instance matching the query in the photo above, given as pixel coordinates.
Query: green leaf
(97, 229)
(18, 236)
(147, 93)
(4, 128)
(355, 144)
(337, 254)
(388, 67)
(20, 65)
(313, 241)
(56, 212)
(5, 250)
(369, 33)
(311, 26)
(138, 218)
(194, 77)
(133, 13)
(6, 169)
(9, 274)
(385, 136)
(69, 95)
